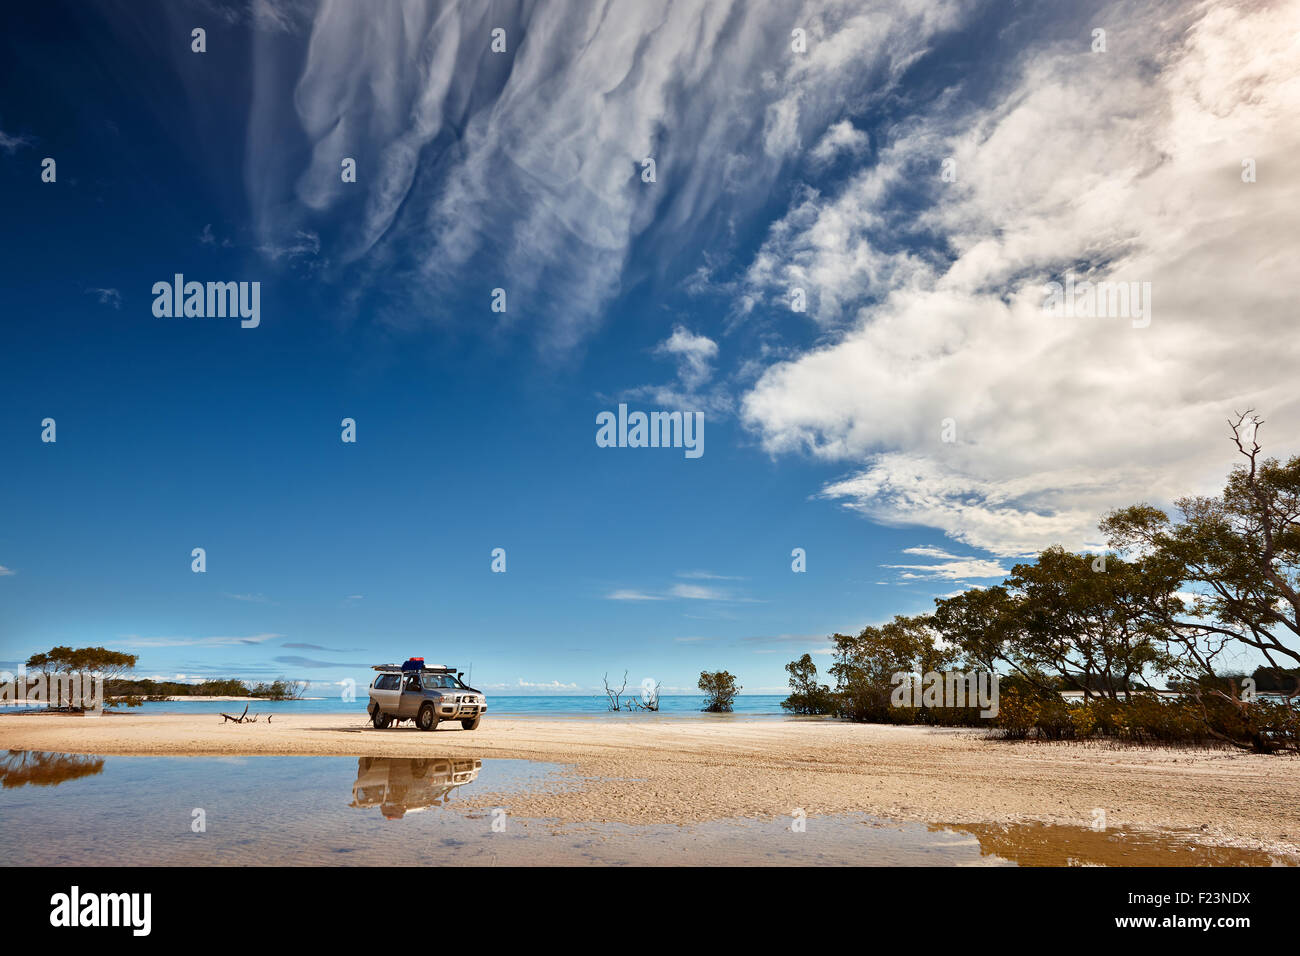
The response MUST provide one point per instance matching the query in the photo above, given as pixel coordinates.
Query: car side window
(412, 683)
(387, 682)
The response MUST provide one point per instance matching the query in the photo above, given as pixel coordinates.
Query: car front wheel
(427, 720)
(471, 724)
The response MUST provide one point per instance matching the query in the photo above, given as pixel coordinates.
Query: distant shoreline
(274, 700)
(26, 702)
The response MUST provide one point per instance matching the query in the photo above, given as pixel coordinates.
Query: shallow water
(91, 810)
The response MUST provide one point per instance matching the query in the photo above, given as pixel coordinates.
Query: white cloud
(842, 138)
(302, 245)
(950, 566)
(697, 592)
(107, 297)
(135, 640)
(6, 572)
(1123, 166)
(683, 592)
(629, 595)
(544, 177)
(11, 144)
(707, 576)
(251, 598)
(694, 355)
(521, 684)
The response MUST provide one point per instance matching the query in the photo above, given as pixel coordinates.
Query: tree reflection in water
(19, 768)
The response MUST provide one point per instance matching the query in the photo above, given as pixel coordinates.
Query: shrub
(720, 689)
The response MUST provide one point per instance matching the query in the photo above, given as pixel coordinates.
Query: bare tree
(649, 700)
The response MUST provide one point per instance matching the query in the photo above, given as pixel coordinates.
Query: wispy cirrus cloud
(311, 662)
(109, 297)
(531, 159)
(11, 143)
(551, 686)
(683, 591)
(946, 566)
(250, 598)
(135, 640)
(629, 594)
(318, 647)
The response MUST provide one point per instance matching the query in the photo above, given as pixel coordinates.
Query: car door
(386, 692)
(412, 696)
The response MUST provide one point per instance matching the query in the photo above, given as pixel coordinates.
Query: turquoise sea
(587, 705)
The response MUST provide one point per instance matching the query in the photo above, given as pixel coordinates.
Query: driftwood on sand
(244, 718)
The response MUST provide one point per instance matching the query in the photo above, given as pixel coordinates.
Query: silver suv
(427, 695)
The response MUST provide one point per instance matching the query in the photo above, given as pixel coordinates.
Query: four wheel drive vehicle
(427, 695)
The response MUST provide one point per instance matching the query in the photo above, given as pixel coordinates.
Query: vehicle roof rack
(428, 668)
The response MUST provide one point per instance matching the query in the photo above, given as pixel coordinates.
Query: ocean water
(748, 705)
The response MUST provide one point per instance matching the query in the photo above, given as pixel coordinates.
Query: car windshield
(441, 681)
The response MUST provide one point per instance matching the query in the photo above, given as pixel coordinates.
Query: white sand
(688, 770)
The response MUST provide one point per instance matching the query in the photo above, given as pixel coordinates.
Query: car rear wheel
(427, 719)
(380, 720)
(471, 724)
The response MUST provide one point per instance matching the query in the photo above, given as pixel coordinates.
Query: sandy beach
(689, 770)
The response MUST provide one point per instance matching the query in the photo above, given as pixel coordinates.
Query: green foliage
(1237, 553)
(806, 695)
(1176, 596)
(279, 689)
(1073, 621)
(720, 689)
(128, 691)
(83, 662)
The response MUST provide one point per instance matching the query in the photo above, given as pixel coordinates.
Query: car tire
(471, 724)
(380, 720)
(427, 719)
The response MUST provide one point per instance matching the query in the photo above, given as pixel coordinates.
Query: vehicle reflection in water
(402, 785)
(39, 768)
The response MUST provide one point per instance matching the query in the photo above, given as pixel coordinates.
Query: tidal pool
(84, 810)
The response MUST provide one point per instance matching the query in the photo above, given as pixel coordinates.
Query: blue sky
(775, 169)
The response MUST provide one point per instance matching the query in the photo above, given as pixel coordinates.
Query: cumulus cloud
(694, 355)
(692, 390)
(1124, 166)
(841, 139)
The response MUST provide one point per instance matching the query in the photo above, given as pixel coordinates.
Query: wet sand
(685, 770)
